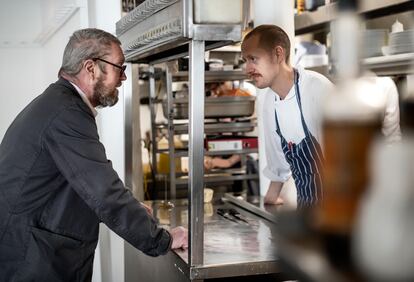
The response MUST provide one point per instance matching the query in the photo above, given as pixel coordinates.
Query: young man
(292, 114)
(56, 183)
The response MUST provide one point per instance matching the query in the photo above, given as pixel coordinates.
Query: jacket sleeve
(74, 145)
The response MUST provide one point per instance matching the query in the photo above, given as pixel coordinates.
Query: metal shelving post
(152, 98)
(196, 153)
(171, 145)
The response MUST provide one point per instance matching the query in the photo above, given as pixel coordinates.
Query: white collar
(85, 99)
(292, 92)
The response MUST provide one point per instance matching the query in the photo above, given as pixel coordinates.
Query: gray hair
(85, 44)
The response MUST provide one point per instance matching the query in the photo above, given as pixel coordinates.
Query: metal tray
(216, 107)
(211, 128)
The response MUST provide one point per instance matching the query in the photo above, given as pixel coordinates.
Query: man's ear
(89, 67)
(280, 54)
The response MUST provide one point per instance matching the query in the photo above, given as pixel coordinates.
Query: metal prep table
(232, 250)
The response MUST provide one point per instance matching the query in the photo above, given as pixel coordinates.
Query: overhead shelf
(319, 19)
(160, 30)
(399, 64)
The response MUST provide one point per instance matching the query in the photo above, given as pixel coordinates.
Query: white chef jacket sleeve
(277, 168)
(391, 123)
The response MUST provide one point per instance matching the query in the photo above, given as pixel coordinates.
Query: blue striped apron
(305, 160)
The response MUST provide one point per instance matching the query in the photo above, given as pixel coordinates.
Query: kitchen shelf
(214, 128)
(312, 21)
(219, 178)
(184, 153)
(399, 64)
(213, 76)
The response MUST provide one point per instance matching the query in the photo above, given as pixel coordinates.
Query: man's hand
(180, 238)
(273, 201)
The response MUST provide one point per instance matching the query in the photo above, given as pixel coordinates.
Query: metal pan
(215, 107)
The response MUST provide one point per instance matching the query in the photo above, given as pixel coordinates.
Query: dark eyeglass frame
(122, 68)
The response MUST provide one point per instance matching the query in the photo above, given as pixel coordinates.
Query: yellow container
(163, 165)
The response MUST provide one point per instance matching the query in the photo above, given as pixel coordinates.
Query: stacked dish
(373, 40)
(401, 42)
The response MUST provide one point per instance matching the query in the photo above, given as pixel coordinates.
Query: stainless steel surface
(255, 205)
(220, 178)
(311, 21)
(165, 26)
(400, 64)
(154, 145)
(137, 169)
(196, 152)
(216, 107)
(140, 13)
(171, 145)
(128, 124)
(223, 127)
(213, 76)
(210, 32)
(230, 248)
(133, 154)
(182, 153)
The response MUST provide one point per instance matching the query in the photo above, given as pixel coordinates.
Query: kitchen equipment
(311, 5)
(215, 107)
(212, 128)
(208, 195)
(401, 42)
(224, 213)
(229, 144)
(212, 11)
(383, 244)
(237, 215)
(373, 40)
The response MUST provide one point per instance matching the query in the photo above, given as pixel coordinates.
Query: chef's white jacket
(313, 88)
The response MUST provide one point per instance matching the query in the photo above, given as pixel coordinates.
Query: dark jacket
(56, 185)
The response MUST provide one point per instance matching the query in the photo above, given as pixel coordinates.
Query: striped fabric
(305, 160)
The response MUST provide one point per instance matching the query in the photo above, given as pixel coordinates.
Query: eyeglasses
(122, 68)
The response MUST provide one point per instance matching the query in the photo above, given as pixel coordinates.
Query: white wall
(109, 259)
(21, 80)
(20, 61)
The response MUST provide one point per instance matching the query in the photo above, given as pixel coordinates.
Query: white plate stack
(373, 40)
(401, 42)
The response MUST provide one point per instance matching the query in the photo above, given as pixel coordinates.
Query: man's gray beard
(103, 95)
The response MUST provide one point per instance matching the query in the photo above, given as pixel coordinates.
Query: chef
(292, 114)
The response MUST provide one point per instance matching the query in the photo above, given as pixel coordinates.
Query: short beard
(103, 95)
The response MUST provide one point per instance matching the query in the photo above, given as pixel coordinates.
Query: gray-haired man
(56, 183)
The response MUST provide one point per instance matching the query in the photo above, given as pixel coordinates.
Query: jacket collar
(78, 92)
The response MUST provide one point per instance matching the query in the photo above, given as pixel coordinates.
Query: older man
(56, 183)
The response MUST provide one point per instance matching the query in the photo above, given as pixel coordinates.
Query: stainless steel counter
(230, 248)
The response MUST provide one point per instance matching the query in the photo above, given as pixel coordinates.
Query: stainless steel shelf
(214, 128)
(213, 76)
(319, 19)
(220, 178)
(400, 64)
(184, 153)
(160, 30)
